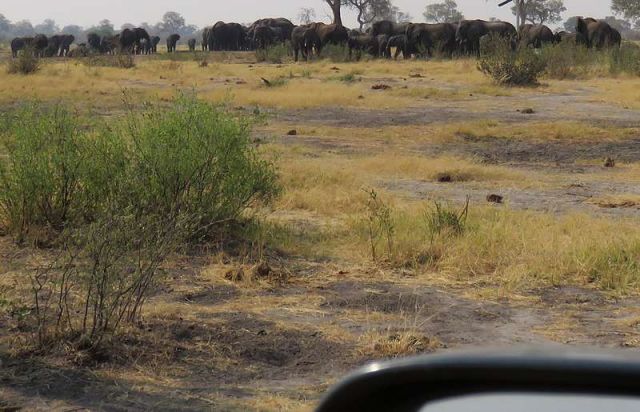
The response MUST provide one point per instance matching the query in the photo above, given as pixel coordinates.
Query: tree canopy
(445, 12)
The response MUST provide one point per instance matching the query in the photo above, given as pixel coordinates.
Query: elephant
(598, 34)
(109, 44)
(281, 26)
(400, 44)
(66, 40)
(130, 39)
(192, 45)
(154, 41)
(362, 43)
(470, 32)
(427, 38)
(172, 40)
(331, 33)
(53, 46)
(388, 27)
(20, 43)
(205, 38)
(303, 40)
(227, 36)
(95, 42)
(535, 35)
(382, 40)
(264, 36)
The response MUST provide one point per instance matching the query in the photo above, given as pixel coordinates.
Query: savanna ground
(556, 263)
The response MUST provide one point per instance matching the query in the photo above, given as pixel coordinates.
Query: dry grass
(619, 201)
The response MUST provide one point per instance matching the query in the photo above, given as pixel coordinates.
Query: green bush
(41, 179)
(442, 219)
(505, 66)
(26, 63)
(276, 53)
(118, 199)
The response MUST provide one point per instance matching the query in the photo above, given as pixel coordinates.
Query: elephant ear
(581, 25)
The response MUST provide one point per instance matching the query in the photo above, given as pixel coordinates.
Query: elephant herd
(43, 46)
(408, 39)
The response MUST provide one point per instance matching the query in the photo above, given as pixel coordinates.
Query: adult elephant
(153, 42)
(331, 33)
(66, 40)
(95, 42)
(304, 39)
(172, 41)
(205, 38)
(20, 43)
(227, 36)
(423, 38)
(53, 46)
(130, 39)
(535, 35)
(39, 44)
(388, 27)
(470, 32)
(598, 34)
(382, 41)
(192, 45)
(263, 37)
(281, 26)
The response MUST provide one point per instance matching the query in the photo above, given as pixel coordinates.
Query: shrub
(567, 60)
(26, 63)
(119, 199)
(41, 179)
(273, 54)
(508, 67)
(380, 224)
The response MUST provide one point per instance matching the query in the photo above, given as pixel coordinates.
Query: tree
(23, 28)
(306, 15)
(629, 8)
(445, 12)
(369, 10)
(570, 24)
(76, 31)
(623, 26)
(5, 24)
(172, 22)
(336, 6)
(104, 28)
(538, 11)
(47, 27)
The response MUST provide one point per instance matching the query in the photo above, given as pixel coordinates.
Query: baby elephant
(192, 45)
(171, 42)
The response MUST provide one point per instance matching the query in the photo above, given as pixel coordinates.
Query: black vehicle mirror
(549, 380)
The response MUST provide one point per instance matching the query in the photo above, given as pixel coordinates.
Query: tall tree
(172, 22)
(336, 6)
(23, 28)
(445, 12)
(570, 24)
(306, 15)
(629, 8)
(538, 11)
(47, 27)
(5, 24)
(369, 10)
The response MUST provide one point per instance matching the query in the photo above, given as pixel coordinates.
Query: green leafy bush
(118, 199)
(506, 66)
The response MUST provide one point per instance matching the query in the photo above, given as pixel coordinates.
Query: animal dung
(380, 87)
(609, 162)
(528, 110)
(292, 132)
(495, 199)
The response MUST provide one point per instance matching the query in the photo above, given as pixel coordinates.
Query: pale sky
(207, 12)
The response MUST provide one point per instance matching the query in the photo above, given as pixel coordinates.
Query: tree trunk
(335, 7)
